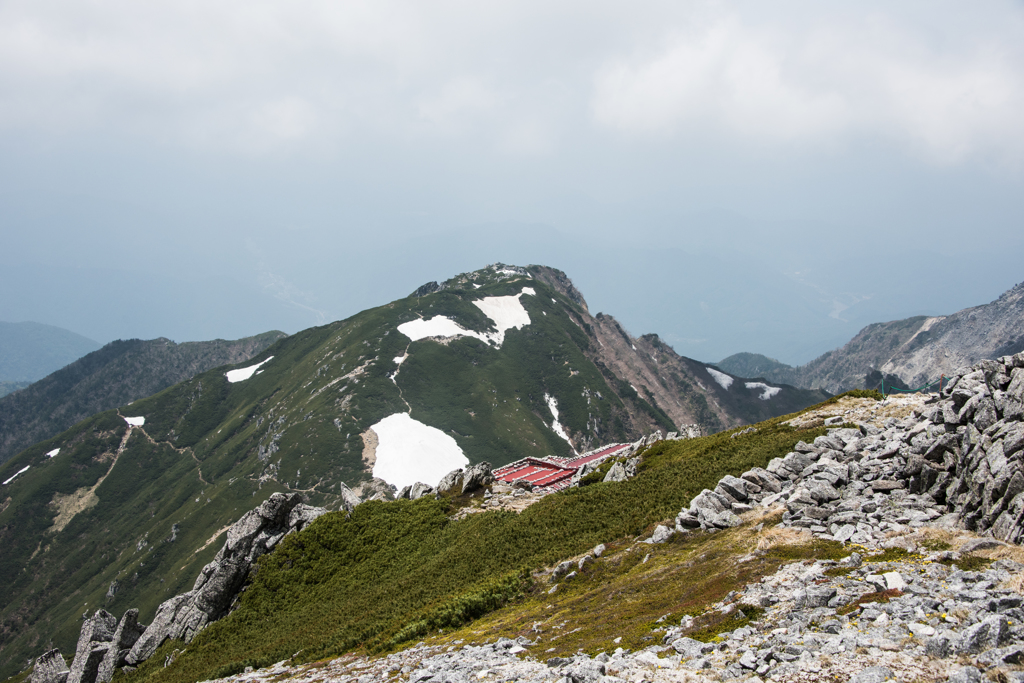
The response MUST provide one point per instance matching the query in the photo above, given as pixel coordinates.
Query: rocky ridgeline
(955, 461)
(106, 644)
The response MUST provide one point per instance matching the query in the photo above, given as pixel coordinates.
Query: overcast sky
(735, 176)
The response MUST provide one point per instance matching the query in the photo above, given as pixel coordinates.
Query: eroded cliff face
(913, 352)
(962, 339)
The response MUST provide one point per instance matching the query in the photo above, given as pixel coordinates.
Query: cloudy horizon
(733, 176)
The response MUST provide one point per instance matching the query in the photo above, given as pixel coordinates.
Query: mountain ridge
(116, 374)
(29, 350)
(908, 353)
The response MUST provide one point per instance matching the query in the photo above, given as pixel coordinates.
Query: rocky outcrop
(417, 490)
(50, 668)
(914, 351)
(127, 634)
(959, 457)
(455, 483)
(93, 643)
(349, 498)
(254, 535)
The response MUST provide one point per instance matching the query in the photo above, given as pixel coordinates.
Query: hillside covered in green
(395, 572)
(117, 515)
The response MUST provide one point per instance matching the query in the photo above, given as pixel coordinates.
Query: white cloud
(781, 82)
(521, 78)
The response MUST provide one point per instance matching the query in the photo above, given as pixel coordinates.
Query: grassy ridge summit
(117, 374)
(494, 365)
(30, 351)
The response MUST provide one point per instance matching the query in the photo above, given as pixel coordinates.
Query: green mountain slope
(30, 351)
(395, 572)
(117, 374)
(759, 365)
(124, 516)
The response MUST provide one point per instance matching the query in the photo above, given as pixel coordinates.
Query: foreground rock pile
(955, 460)
(912, 619)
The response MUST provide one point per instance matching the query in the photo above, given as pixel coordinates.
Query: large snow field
(135, 421)
(409, 451)
(23, 469)
(556, 426)
(766, 391)
(438, 326)
(506, 312)
(242, 374)
(723, 379)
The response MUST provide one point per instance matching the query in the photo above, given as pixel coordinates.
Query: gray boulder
(873, 674)
(477, 477)
(616, 473)
(451, 483)
(50, 668)
(156, 633)
(93, 643)
(419, 489)
(349, 499)
(989, 633)
(128, 631)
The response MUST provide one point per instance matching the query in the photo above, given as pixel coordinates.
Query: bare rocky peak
(912, 352)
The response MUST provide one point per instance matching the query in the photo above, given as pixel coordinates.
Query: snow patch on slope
(556, 426)
(52, 453)
(135, 421)
(242, 374)
(724, 380)
(506, 312)
(766, 391)
(23, 469)
(409, 451)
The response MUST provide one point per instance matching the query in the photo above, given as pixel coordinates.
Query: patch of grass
(817, 549)
(877, 596)
(21, 677)
(730, 621)
(935, 544)
(854, 393)
(891, 555)
(968, 563)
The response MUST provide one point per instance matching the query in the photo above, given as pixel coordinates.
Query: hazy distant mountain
(31, 351)
(118, 373)
(8, 387)
(909, 353)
